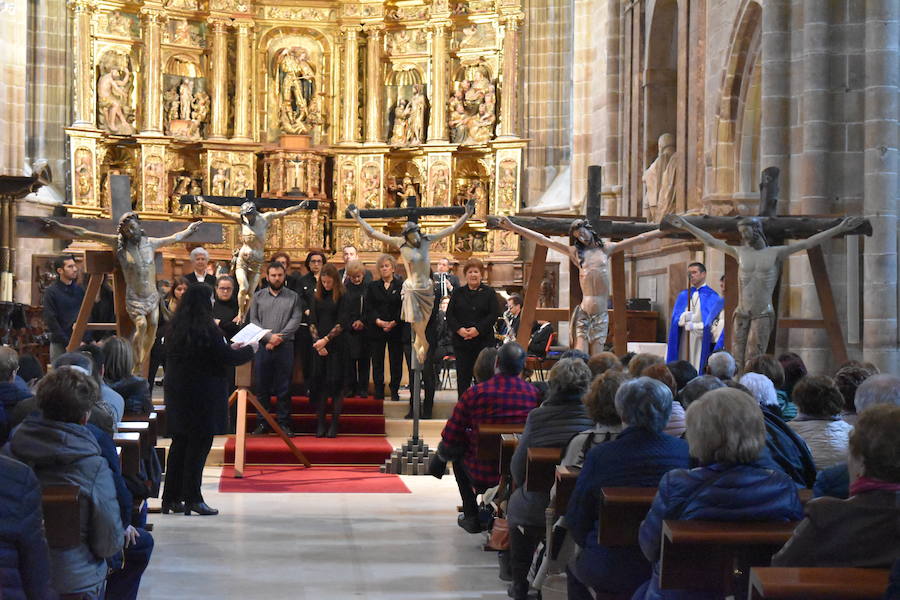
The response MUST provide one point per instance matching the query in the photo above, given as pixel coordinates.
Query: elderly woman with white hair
(199, 266)
(726, 434)
(638, 457)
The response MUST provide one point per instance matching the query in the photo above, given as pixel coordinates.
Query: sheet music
(249, 334)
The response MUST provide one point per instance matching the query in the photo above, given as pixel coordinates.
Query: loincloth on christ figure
(248, 263)
(136, 306)
(417, 303)
(593, 328)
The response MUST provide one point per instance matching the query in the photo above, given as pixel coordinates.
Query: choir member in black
(471, 315)
(444, 278)
(355, 288)
(167, 306)
(225, 307)
(307, 284)
(350, 254)
(329, 319)
(384, 327)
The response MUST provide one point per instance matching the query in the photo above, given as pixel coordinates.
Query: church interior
(641, 189)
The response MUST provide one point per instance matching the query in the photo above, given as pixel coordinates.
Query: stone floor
(322, 546)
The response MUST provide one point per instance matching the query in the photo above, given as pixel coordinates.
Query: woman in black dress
(384, 327)
(197, 364)
(328, 320)
(358, 382)
(167, 306)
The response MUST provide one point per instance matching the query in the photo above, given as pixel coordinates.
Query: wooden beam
(826, 301)
(529, 303)
(84, 313)
(33, 227)
(554, 315)
(801, 323)
(560, 226)
(731, 299)
(785, 227)
(620, 316)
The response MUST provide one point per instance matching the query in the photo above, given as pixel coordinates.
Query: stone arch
(735, 160)
(660, 75)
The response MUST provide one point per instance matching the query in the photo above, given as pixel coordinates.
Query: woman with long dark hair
(329, 317)
(196, 396)
(167, 306)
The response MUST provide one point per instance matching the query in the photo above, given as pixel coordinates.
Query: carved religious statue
(400, 130)
(759, 266)
(113, 98)
(254, 227)
(415, 135)
(659, 181)
(473, 111)
(418, 292)
(590, 320)
(135, 253)
(295, 86)
(185, 110)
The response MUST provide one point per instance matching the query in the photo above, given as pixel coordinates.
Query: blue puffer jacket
(718, 492)
(24, 557)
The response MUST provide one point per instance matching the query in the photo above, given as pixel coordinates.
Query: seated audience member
(11, 393)
(785, 450)
(118, 374)
(540, 337)
(848, 379)
(877, 389)
(62, 451)
(819, 420)
(550, 425)
(864, 530)
(721, 365)
(102, 414)
(575, 353)
(625, 359)
(485, 365)
(24, 556)
(794, 370)
(766, 364)
(504, 398)
(601, 407)
(641, 361)
(660, 372)
(603, 362)
(726, 434)
(683, 372)
(108, 395)
(30, 370)
(639, 457)
(697, 387)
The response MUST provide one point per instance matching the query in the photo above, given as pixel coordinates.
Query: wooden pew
(508, 444)
(142, 428)
(540, 472)
(489, 439)
(789, 583)
(62, 516)
(162, 422)
(621, 511)
(716, 556)
(130, 442)
(565, 485)
(151, 419)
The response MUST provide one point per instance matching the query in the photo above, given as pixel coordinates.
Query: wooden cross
(411, 212)
(249, 196)
(99, 263)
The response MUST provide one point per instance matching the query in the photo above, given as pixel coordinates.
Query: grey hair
(698, 386)
(725, 426)
(567, 377)
(878, 389)
(761, 387)
(721, 365)
(198, 251)
(644, 402)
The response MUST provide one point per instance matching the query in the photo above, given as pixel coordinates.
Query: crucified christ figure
(254, 227)
(135, 253)
(759, 266)
(418, 291)
(590, 320)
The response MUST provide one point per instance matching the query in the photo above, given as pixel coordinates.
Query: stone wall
(13, 14)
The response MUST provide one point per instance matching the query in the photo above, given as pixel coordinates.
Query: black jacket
(355, 296)
(61, 305)
(473, 308)
(197, 390)
(383, 304)
(208, 279)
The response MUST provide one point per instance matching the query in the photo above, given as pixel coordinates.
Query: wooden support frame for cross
(97, 265)
(243, 382)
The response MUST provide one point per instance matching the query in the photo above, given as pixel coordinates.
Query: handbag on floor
(499, 539)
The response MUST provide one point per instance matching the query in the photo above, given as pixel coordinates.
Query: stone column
(218, 59)
(242, 76)
(776, 90)
(437, 129)
(882, 83)
(374, 84)
(152, 104)
(85, 115)
(351, 84)
(13, 29)
(509, 96)
(816, 114)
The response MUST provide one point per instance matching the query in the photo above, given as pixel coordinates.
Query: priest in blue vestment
(695, 310)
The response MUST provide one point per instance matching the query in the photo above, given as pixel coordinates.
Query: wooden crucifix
(593, 258)
(254, 228)
(131, 259)
(753, 268)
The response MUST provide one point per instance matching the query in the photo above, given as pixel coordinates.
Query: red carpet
(350, 423)
(342, 450)
(317, 480)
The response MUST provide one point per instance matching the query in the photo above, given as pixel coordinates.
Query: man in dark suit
(199, 262)
(350, 253)
(445, 280)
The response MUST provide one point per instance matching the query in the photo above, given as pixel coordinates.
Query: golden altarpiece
(344, 102)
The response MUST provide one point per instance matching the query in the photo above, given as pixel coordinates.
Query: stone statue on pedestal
(659, 181)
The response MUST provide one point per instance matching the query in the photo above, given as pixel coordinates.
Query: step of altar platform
(342, 450)
(353, 405)
(350, 424)
(443, 406)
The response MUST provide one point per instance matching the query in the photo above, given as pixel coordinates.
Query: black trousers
(466, 353)
(522, 545)
(359, 370)
(395, 358)
(303, 353)
(184, 470)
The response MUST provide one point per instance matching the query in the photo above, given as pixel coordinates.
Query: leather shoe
(287, 430)
(175, 507)
(201, 508)
(470, 524)
(261, 430)
(395, 397)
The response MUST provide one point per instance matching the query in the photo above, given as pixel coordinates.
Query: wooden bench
(152, 419)
(789, 583)
(489, 439)
(565, 485)
(508, 444)
(162, 422)
(540, 472)
(622, 509)
(716, 557)
(130, 442)
(142, 428)
(62, 516)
